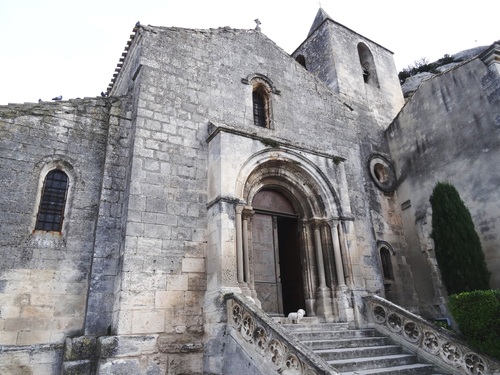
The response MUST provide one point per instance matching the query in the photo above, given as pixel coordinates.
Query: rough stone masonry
(220, 164)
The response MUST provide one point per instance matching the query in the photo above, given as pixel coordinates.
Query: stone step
(316, 327)
(304, 321)
(350, 364)
(356, 353)
(346, 343)
(416, 368)
(333, 335)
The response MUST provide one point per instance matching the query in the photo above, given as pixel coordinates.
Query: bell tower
(352, 66)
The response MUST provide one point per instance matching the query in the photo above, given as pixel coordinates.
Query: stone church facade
(218, 164)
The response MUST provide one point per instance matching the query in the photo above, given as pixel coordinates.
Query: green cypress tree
(458, 250)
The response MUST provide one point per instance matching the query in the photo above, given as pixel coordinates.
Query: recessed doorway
(277, 267)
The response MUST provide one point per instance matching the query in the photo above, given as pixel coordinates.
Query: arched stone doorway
(277, 268)
(290, 211)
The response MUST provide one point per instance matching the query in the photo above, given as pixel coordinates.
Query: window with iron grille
(260, 108)
(53, 201)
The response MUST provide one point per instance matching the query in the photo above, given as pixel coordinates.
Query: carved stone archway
(320, 238)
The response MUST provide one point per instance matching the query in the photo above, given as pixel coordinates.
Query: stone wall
(448, 131)
(180, 91)
(134, 281)
(44, 275)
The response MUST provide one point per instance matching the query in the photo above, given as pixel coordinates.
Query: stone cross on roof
(257, 22)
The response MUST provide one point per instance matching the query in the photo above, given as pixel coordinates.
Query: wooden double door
(277, 269)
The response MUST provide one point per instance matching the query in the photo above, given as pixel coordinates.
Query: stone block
(135, 229)
(177, 282)
(137, 299)
(80, 348)
(8, 337)
(167, 298)
(127, 346)
(193, 265)
(9, 310)
(186, 364)
(74, 305)
(33, 337)
(123, 319)
(37, 311)
(148, 321)
(147, 244)
(82, 367)
(123, 366)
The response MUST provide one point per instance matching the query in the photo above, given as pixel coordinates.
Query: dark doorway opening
(290, 265)
(277, 265)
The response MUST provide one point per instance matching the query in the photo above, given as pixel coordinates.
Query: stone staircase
(357, 351)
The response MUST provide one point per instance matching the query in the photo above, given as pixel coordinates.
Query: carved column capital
(248, 213)
(317, 223)
(239, 208)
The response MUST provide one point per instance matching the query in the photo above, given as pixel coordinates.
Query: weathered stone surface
(441, 136)
(78, 367)
(126, 346)
(80, 348)
(164, 174)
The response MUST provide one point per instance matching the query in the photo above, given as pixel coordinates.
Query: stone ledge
(125, 346)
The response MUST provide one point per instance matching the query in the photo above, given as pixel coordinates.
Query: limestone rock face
(411, 84)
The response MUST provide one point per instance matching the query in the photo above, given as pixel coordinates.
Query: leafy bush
(423, 65)
(458, 249)
(477, 315)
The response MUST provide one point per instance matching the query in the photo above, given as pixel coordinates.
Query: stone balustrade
(268, 341)
(432, 343)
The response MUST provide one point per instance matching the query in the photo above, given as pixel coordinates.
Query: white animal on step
(296, 316)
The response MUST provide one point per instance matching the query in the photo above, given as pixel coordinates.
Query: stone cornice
(216, 128)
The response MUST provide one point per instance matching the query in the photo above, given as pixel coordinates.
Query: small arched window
(260, 99)
(52, 202)
(301, 60)
(262, 90)
(385, 257)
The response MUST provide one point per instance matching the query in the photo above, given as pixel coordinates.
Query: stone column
(323, 293)
(309, 287)
(239, 245)
(319, 256)
(247, 221)
(242, 257)
(343, 293)
(339, 269)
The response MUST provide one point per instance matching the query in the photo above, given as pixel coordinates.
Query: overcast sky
(71, 48)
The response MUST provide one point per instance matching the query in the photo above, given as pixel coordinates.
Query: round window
(382, 173)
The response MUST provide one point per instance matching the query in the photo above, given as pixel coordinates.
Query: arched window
(262, 88)
(301, 60)
(385, 257)
(367, 65)
(52, 202)
(260, 106)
